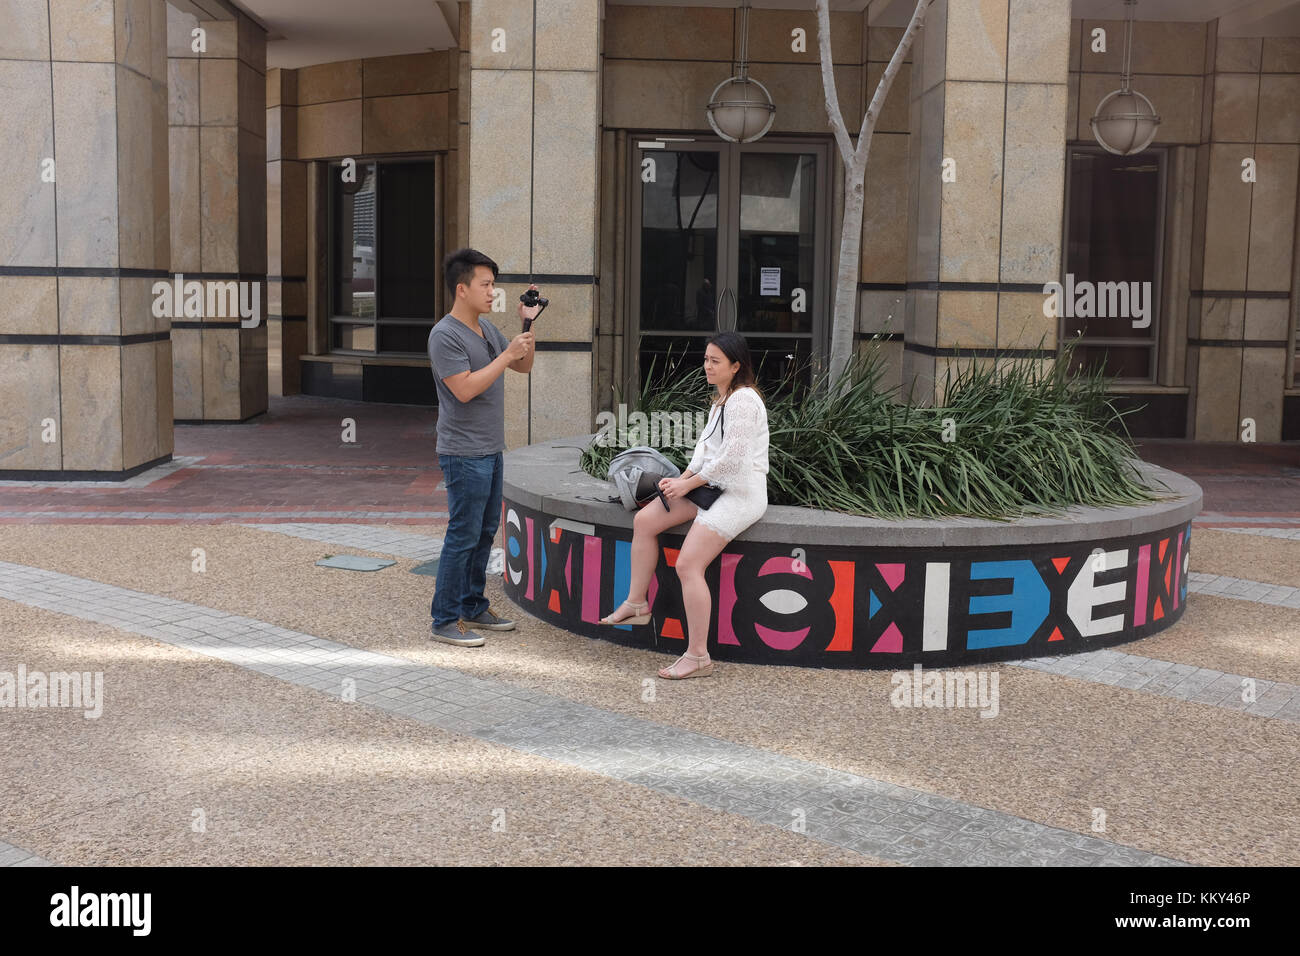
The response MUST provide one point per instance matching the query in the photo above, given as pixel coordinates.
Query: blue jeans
(474, 506)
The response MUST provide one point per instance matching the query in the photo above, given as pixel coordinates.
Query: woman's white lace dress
(733, 456)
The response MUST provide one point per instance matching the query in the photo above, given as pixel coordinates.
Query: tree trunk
(846, 280)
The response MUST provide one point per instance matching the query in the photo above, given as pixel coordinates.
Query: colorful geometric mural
(834, 606)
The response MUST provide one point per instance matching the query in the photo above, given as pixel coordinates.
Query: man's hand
(521, 346)
(526, 312)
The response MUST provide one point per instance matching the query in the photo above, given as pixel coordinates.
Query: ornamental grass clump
(1019, 439)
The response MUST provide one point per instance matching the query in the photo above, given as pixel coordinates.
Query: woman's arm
(736, 457)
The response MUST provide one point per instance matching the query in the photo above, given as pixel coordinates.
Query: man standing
(469, 357)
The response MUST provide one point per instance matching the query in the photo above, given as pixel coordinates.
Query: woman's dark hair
(459, 268)
(736, 349)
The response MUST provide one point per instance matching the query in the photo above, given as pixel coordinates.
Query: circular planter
(823, 589)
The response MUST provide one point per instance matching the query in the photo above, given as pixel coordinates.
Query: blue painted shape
(875, 606)
(514, 546)
(622, 574)
(1028, 602)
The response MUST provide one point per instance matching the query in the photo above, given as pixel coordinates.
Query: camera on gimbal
(532, 298)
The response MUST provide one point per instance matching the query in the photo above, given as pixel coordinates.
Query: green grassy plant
(1027, 438)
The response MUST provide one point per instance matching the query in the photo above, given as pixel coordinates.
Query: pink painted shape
(727, 598)
(590, 579)
(651, 592)
(781, 640)
(891, 642)
(532, 568)
(783, 565)
(568, 571)
(892, 573)
(1178, 569)
(1144, 567)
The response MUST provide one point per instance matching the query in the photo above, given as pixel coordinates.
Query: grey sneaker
(490, 622)
(457, 633)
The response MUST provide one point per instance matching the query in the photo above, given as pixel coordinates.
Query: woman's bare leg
(702, 545)
(649, 522)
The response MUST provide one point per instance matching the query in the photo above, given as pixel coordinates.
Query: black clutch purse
(703, 496)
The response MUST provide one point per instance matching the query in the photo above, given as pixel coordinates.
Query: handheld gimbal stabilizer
(530, 299)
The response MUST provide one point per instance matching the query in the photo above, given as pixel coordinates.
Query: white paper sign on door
(769, 280)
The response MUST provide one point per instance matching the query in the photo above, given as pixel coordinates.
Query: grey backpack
(636, 474)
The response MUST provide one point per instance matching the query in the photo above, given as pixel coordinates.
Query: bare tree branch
(828, 83)
(855, 167)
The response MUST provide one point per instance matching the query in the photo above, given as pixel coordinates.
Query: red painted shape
(842, 605)
(554, 602)
(672, 626)
(1163, 545)
(1060, 566)
(1056, 633)
(1159, 611)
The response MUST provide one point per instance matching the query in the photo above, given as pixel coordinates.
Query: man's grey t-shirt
(476, 427)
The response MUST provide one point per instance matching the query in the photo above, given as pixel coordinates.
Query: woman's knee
(643, 522)
(689, 569)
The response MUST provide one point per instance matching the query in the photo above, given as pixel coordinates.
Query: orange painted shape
(1163, 545)
(672, 628)
(671, 555)
(554, 603)
(1056, 635)
(1159, 611)
(842, 605)
(1060, 567)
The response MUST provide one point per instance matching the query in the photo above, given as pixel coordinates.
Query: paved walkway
(259, 709)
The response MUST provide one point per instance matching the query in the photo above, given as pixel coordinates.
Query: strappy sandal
(642, 615)
(705, 670)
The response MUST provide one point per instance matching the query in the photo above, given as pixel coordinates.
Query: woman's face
(717, 369)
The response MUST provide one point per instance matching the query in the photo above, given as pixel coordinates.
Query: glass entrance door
(730, 236)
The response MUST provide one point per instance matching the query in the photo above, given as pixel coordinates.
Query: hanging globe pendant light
(1125, 122)
(740, 108)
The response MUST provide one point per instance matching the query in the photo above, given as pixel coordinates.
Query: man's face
(479, 292)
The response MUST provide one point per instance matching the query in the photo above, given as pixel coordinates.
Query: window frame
(729, 201)
(435, 160)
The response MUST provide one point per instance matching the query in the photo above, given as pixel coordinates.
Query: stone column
(218, 218)
(882, 280)
(989, 95)
(286, 235)
(1244, 238)
(84, 365)
(533, 187)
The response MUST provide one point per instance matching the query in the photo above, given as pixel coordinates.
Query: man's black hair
(459, 267)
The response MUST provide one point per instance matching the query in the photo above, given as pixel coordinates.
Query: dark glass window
(384, 272)
(1112, 253)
